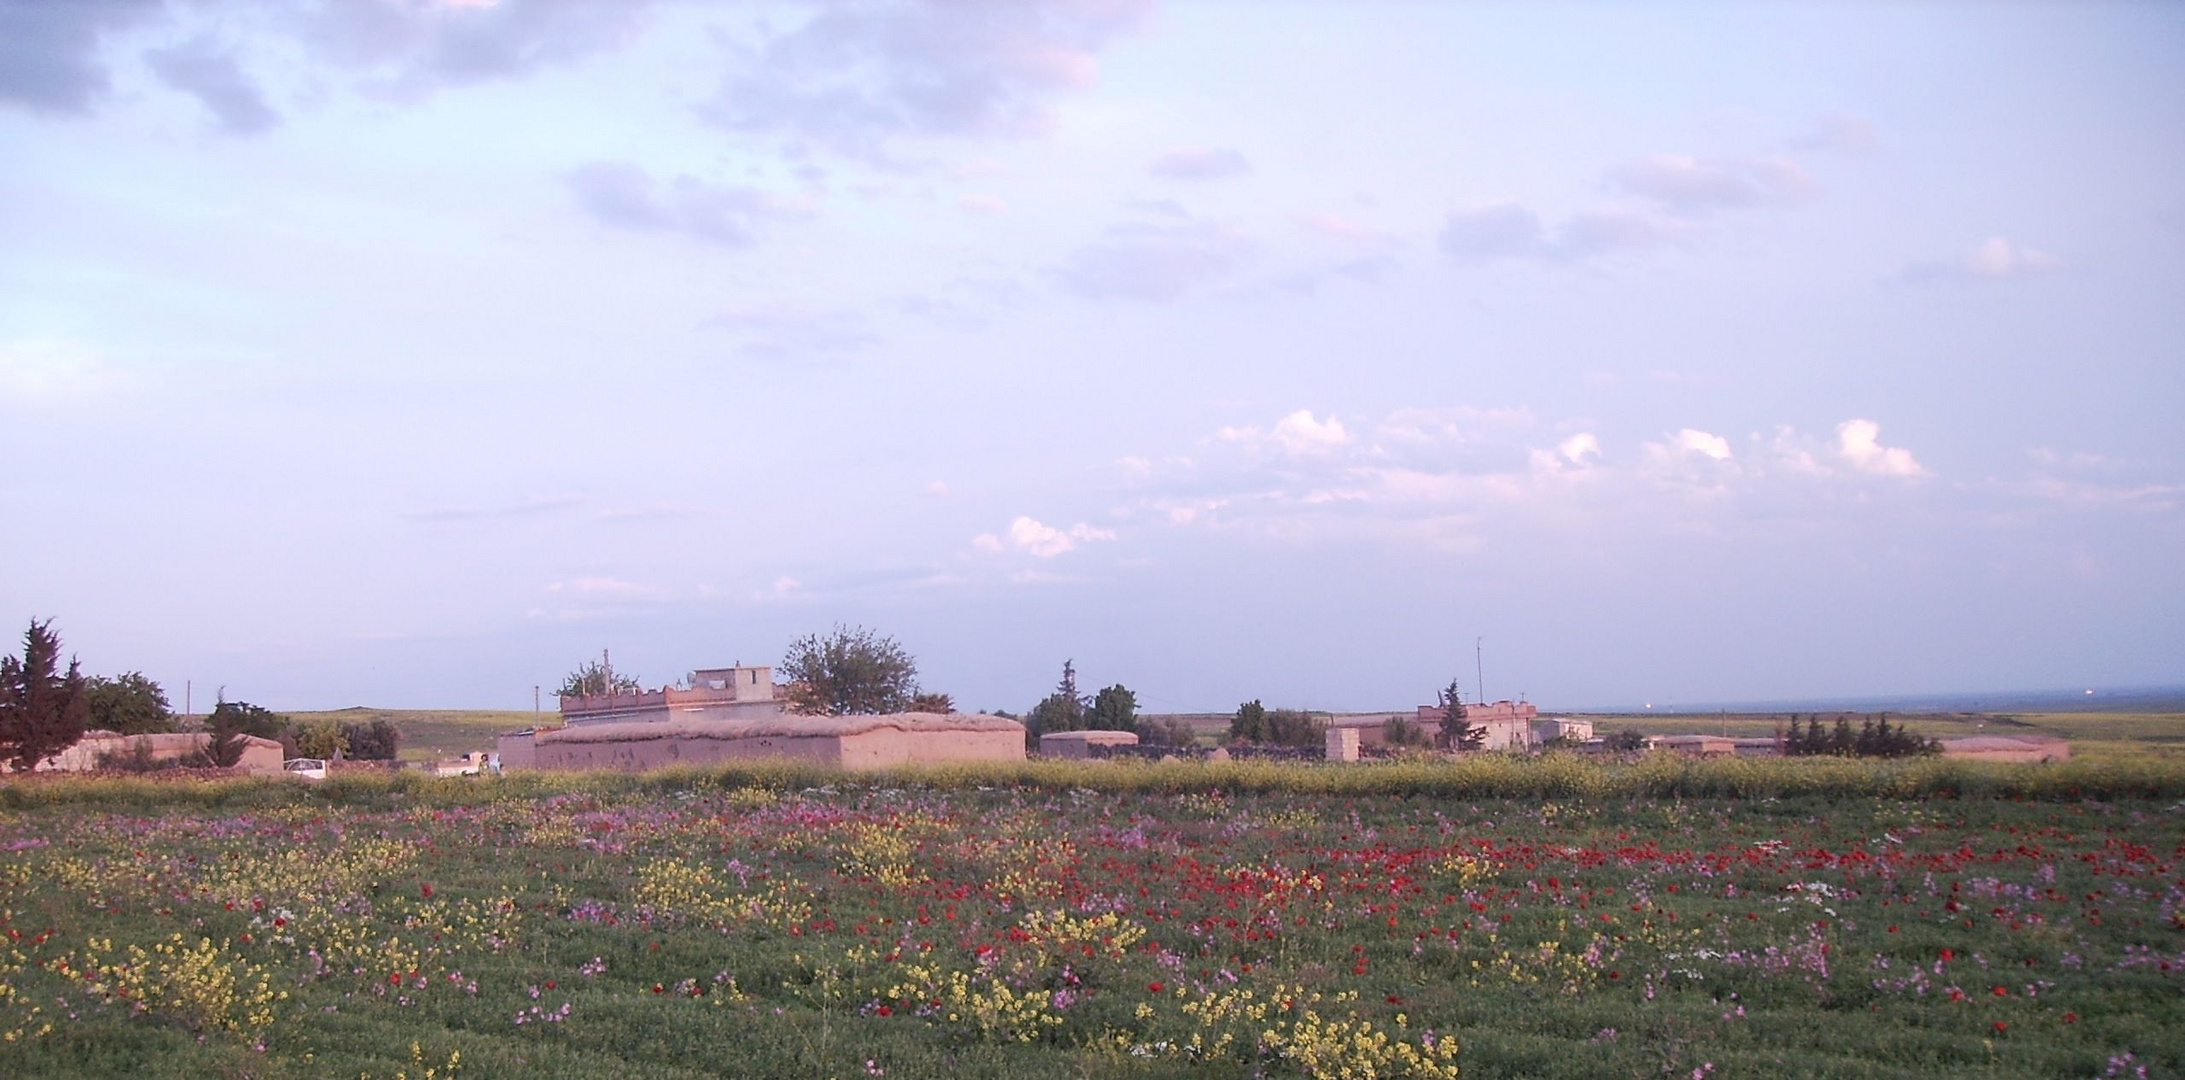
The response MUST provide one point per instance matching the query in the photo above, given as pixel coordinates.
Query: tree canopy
(1063, 710)
(42, 711)
(130, 704)
(593, 677)
(849, 671)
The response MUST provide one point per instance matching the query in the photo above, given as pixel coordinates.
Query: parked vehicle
(307, 768)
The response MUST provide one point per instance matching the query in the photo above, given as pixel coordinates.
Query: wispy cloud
(535, 506)
(1993, 259)
(205, 71)
(1510, 231)
(1689, 185)
(409, 49)
(623, 196)
(1200, 163)
(856, 78)
(49, 52)
(785, 333)
(1153, 261)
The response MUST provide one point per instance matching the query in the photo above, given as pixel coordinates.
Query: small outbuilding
(1080, 744)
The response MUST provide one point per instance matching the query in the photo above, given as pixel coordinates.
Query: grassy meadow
(1497, 917)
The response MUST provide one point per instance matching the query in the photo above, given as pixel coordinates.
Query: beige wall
(259, 755)
(879, 748)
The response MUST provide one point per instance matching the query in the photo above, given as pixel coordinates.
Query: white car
(308, 768)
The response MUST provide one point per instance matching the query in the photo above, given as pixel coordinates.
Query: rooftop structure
(730, 693)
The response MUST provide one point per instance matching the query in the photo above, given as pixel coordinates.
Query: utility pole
(534, 701)
(1479, 669)
(186, 688)
(607, 671)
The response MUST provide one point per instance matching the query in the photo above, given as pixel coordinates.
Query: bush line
(1490, 776)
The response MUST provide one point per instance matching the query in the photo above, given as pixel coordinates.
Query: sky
(409, 353)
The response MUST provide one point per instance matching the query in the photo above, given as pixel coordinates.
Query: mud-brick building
(1509, 724)
(845, 742)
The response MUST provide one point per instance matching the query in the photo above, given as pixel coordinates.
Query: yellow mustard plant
(204, 985)
(1106, 934)
(443, 1071)
(693, 891)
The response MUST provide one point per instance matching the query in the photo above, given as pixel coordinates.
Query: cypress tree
(42, 712)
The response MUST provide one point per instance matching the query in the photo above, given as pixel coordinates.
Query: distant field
(436, 733)
(2089, 732)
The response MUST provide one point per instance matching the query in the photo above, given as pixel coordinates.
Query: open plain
(1500, 916)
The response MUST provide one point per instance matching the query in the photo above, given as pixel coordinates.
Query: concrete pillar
(1342, 744)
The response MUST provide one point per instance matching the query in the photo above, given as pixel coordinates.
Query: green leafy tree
(1063, 710)
(593, 677)
(1167, 731)
(42, 711)
(322, 739)
(1113, 709)
(932, 703)
(130, 704)
(849, 671)
(375, 741)
(1626, 741)
(1249, 724)
(1295, 727)
(1404, 732)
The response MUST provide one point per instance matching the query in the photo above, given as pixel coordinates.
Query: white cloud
(1695, 441)
(1859, 442)
(783, 588)
(986, 205)
(1299, 433)
(1040, 540)
(1579, 447)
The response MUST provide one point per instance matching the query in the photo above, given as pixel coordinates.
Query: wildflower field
(1537, 919)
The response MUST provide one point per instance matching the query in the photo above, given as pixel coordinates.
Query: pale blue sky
(405, 353)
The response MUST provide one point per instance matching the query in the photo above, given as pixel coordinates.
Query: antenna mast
(1479, 668)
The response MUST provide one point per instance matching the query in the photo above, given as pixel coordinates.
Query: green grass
(1559, 918)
